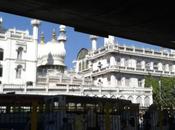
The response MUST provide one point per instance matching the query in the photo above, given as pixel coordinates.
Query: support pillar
(34, 119)
(108, 122)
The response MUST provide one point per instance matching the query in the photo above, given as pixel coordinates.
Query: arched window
(123, 62)
(112, 61)
(104, 96)
(139, 100)
(83, 65)
(19, 53)
(1, 54)
(147, 101)
(140, 82)
(113, 96)
(122, 97)
(1, 70)
(79, 67)
(86, 64)
(18, 71)
(100, 83)
(130, 98)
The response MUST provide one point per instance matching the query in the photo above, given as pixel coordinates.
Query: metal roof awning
(146, 21)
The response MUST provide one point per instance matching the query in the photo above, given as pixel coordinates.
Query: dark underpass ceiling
(141, 20)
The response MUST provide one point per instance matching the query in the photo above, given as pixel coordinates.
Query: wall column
(113, 80)
(143, 64)
(173, 68)
(159, 66)
(167, 67)
(151, 66)
(122, 62)
(112, 61)
(123, 81)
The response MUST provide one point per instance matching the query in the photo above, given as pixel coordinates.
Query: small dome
(56, 49)
(53, 52)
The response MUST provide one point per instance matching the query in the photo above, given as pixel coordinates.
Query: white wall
(28, 61)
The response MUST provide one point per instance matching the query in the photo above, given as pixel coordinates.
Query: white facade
(18, 58)
(32, 67)
(115, 71)
(120, 70)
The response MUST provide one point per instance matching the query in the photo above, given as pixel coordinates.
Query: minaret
(54, 37)
(33, 48)
(62, 36)
(42, 38)
(35, 23)
(94, 42)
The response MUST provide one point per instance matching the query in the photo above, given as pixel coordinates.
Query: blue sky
(75, 42)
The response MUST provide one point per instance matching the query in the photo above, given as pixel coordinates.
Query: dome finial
(54, 35)
(62, 28)
(42, 38)
(62, 35)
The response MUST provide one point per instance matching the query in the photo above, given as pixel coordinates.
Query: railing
(16, 34)
(81, 90)
(87, 88)
(41, 80)
(62, 80)
(133, 70)
(2, 36)
(13, 86)
(133, 51)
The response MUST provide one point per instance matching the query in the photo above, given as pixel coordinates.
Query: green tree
(163, 90)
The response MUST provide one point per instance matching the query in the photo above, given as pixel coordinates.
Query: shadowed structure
(146, 21)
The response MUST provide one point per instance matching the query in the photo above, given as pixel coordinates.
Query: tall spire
(93, 42)
(35, 23)
(42, 41)
(54, 35)
(62, 36)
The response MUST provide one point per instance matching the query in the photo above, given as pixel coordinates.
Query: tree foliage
(163, 90)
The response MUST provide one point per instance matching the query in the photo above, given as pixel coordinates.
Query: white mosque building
(28, 66)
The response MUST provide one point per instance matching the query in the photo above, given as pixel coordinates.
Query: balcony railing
(133, 70)
(132, 51)
(62, 80)
(78, 88)
(81, 90)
